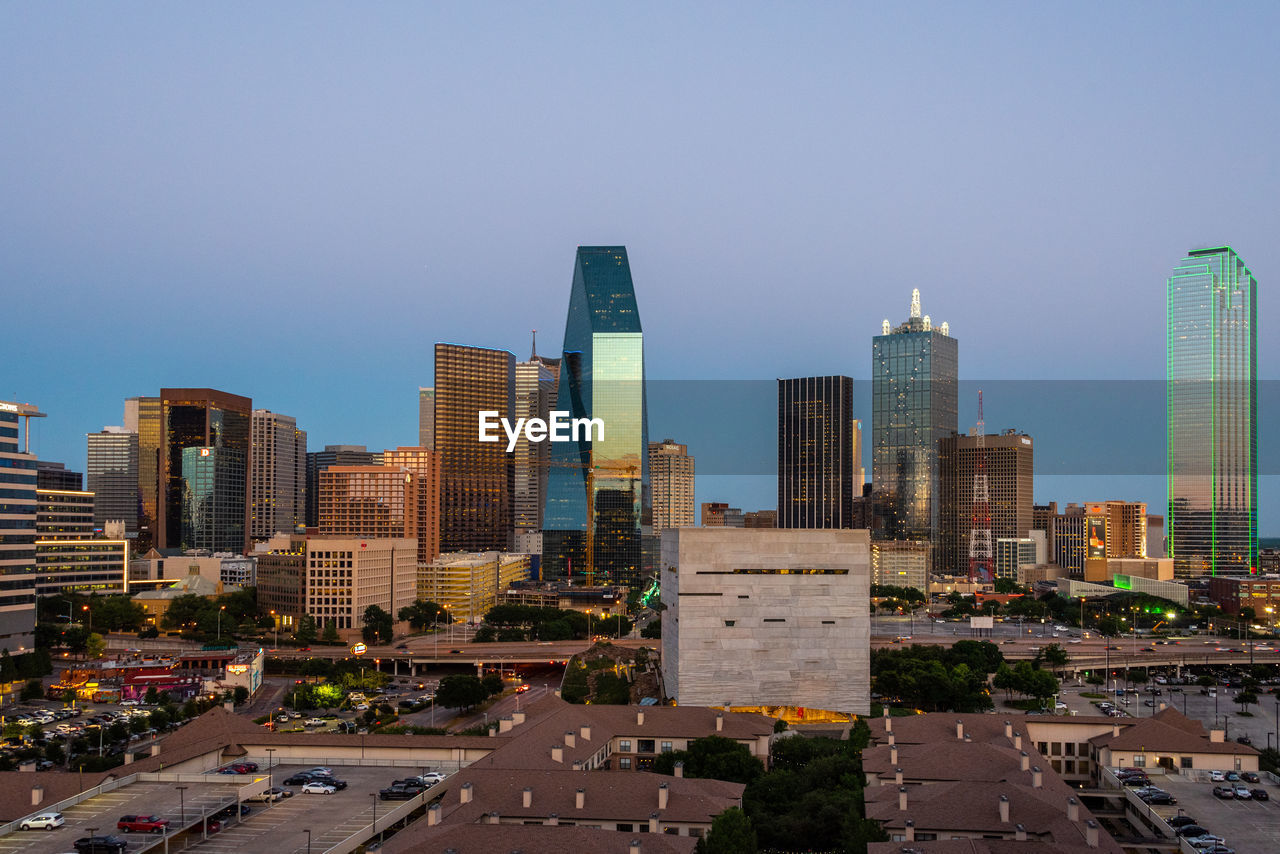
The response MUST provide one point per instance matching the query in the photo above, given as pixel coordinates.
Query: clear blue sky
(293, 201)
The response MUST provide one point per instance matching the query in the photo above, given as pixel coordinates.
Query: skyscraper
(204, 419)
(536, 383)
(913, 406)
(17, 533)
(145, 416)
(318, 461)
(597, 526)
(380, 502)
(113, 477)
(277, 475)
(426, 417)
(1009, 468)
(424, 464)
(815, 453)
(671, 474)
(475, 477)
(1212, 399)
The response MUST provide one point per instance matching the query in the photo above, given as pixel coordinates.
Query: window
(1140, 760)
(666, 747)
(1186, 762)
(644, 745)
(624, 746)
(624, 827)
(624, 764)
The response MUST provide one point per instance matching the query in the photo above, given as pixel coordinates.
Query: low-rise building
(604, 600)
(1259, 592)
(155, 601)
(900, 563)
(164, 566)
(1103, 570)
(468, 583)
(347, 575)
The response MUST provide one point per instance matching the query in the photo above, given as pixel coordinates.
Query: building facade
(815, 452)
(212, 499)
(70, 557)
(671, 476)
(469, 584)
(277, 475)
(717, 514)
(369, 501)
(914, 382)
(426, 417)
(318, 461)
(113, 477)
(476, 478)
(282, 580)
(17, 532)
(1008, 464)
(901, 563)
(1013, 553)
(767, 618)
(145, 417)
(347, 575)
(1212, 399)
(424, 463)
(536, 383)
(601, 480)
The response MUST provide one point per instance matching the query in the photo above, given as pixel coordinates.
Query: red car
(142, 824)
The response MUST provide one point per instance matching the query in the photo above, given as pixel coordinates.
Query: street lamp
(270, 764)
(90, 612)
(220, 610)
(182, 808)
(374, 826)
(276, 622)
(307, 831)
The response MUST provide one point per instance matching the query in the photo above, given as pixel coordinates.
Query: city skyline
(776, 202)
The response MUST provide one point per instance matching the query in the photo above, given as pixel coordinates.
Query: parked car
(430, 778)
(1243, 794)
(313, 722)
(1226, 793)
(317, 788)
(327, 780)
(44, 821)
(1191, 831)
(230, 810)
(142, 824)
(397, 792)
(1207, 841)
(275, 793)
(100, 845)
(1249, 777)
(1233, 777)
(1160, 799)
(1181, 821)
(212, 825)
(1217, 776)
(1260, 794)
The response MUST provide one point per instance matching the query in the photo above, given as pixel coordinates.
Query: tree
(95, 646)
(148, 633)
(492, 683)
(240, 695)
(1248, 614)
(151, 697)
(486, 634)
(731, 833)
(306, 629)
(188, 611)
(1055, 656)
(652, 630)
(715, 757)
(1245, 699)
(33, 690)
(69, 696)
(1007, 585)
(330, 634)
(421, 614)
(378, 625)
(460, 692)
(8, 670)
(1109, 626)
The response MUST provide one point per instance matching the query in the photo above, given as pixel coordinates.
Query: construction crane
(591, 469)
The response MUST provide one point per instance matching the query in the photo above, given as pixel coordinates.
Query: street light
(182, 808)
(270, 764)
(374, 826)
(220, 610)
(307, 831)
(276, 623)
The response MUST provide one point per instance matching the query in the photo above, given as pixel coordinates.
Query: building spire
(915, 302)
(534, 354)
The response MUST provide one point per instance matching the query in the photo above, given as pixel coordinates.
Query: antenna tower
(980, 555)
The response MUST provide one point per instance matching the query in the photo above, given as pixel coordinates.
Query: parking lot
(1250, 827)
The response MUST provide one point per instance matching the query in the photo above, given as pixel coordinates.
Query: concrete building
(70, 555)
(901, 563)
(277, 475)
(1104, 569)
(156, 601)
(468, 584)
(17, 531)
(537, 382)
(113, 477)
(1071, 539)
(369, 501)
(1013, 553)
(815, 453)
(766, 618)
(671, 482)
(282, 580)
(426, 417)
(1174, 591)
(318, 461)
(51, 475)
(159, 567)
(1261, 593)
(345, 575)
(424, 463)
(1009, 470)
(1155, 536)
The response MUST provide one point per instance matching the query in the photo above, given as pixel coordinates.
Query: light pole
(90, 611)
(275, 621)
(270, 764)
(182, 807)
(374, 795)
(307, 831)
(220, 610)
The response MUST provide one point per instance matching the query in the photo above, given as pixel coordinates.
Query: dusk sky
(294, 201)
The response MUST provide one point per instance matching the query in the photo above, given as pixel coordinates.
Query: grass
(1093, 696)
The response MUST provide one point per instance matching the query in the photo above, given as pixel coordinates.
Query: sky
(294, 201)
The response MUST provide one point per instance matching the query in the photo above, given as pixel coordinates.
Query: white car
(431, 778)
(314, 788)
(1217, 776)
(44, 821)
(128, 702)
(361, 707)
(314, 722)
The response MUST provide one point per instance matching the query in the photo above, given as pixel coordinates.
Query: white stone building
(767, 617)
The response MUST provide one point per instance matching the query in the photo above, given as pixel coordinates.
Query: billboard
(1097, 530)
(982, 622)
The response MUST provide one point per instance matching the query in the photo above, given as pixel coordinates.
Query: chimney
(581, 798)
(1017, 741)
(679, 769)
(557, 753)
(585, 732)
(527, 797)
(911, 830)
(466, 793)
(1163, 706)
(634, 847)
(967, 738)
(1026, 761)
(888, 724)
(493, 818)
(1073, 809)
(1217, 736)
(653, 822)
(504, 725)
(493, 730)
(719, 721)
(155, 750)
(893, 755)
(128, 757)
(570, 738)
(1091, 833)
(577, 765)
(885, 710)
(517, 718)
(662, 796)
(1019, 833)
(1008, 729)
(902, 799)
(554, 819)
(37, 795)
(897, 776)
(1115, 730)
(892, 740)
(433, 815)
(959, 730)
(1037, 778)
(1004, 809)
(640, 717)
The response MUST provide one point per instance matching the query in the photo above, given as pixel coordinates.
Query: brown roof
(530, 839)
(952, 761)
(1161, 735)
(979, 846)
(16, 786)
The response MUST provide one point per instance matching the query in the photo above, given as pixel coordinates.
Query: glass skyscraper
(17, 533)
(914, 369)
(816, 441)
(1212, 400)
(601, 377)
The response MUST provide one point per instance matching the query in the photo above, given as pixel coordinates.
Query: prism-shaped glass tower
(1212, 400)
(596, 526)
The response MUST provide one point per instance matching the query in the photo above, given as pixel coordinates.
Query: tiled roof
(16, 786)
(979, 846)
(530, 839)
(1162, 735)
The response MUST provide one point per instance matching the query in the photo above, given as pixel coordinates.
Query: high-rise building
(70, 557)
(859, 470)
(1008, 464)
(671, 476)
(426, 417)
(369, 501)
(914, 379)
(815, 453)
(277, 475)
(1071, 539)
(17, 532)
(536, 382)
(901, 563)
(1042, 516)
(424, 464)
(345, 575)
(50, 475)
(1012, 553)
(113, 477)
(600, 480)
(476, 478)
(1124, 527)
(318, 461)
(1212, 400)
(145, 417)
(717, 514)
(215, 422)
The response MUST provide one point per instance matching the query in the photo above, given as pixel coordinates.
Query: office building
(282, 580)
(1071, 539)
(1008, 465)
(379, 502)
(1105, 570)
(50, 475)
(601, 478)
(536, 384)
(717, 514)
(1212, 400)
(767, 618)
(1042, 518)
(426, 417)
(424, 463)
(815, 453)
(901, 563)
(760, 519)
(468, 583)
(1012, 554)
(113, 478)
(671, 480)
(914, 380)
(144, 416)
(1155, 536)
(17, 531)
(476, 478)
(318, 461)
(277, 475)
(859, 470)
(214, 427)
(345, 575)
(70, 556)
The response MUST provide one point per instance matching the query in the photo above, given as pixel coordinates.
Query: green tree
(151, 697)
(8, 670)
(1204, 680)
(33, 690)
(1248, 614)
(487, 634)
(652, 630)
(1055, 656)
(306, 629)
(330, 634)
(421, 614)
(715, 757)
(189, 611)
(55, 754)
(1245, 699)
(240, 694)
(460, 692)
(731, 833)
(378, 625)
(492, 683)
(139, 723)
(95, 646)
(1007, 585)
(1109, 626)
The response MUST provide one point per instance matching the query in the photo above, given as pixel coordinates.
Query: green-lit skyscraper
(604, 482)
(1212, 400)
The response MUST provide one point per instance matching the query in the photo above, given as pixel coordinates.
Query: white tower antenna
(884, 327)
(945, 328)
(915, 302)
(928, 324)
